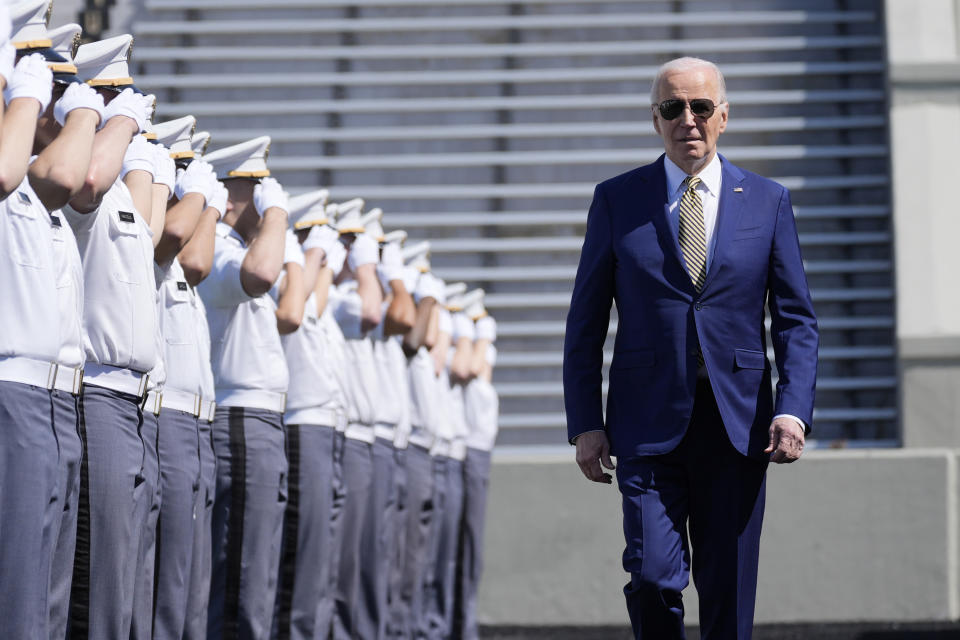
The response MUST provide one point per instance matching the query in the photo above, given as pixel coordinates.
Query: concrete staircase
(483, 125)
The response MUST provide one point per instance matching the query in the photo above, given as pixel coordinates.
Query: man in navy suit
(691, 248)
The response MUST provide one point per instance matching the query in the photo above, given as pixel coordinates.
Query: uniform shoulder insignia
(181, 285)
(24, 198)
(55, 221)
(127, 216)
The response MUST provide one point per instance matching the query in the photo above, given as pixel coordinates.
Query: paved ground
(891, 631)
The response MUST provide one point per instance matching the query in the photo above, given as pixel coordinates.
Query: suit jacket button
(698, 306)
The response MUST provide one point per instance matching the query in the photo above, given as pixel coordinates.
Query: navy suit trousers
(706, 484)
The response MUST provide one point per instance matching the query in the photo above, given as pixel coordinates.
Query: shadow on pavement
(825, 631)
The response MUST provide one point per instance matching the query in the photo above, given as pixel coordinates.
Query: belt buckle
(197, 405)
(211, 412)
(52, 376)
(283, 403)
(77, 381)
(142, 389)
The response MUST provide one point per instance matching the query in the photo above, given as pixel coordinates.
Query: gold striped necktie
(692, 236)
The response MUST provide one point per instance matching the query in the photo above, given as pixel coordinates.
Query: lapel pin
(738, 189)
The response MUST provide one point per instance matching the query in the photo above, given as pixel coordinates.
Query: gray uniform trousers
(247, 521)
(179, 455)
(377, 535)
(441, 590)
(29, 509)
(358, 478)
(111, 514)
(476, 480)
(326, 611)
(397, 545)
(66, 423)
(142, 625)
(306, 560)
(198, 598)
(407, 605)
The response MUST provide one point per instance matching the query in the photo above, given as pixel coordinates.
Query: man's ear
(724, 113)
(656, 120)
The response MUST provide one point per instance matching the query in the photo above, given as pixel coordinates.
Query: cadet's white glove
(364, 250)
(268, 194)
(164, 168)
(391, 264)
(321, 236)
(444, 322)
(198, 177)
(463, 326)
(132, 105)
(429, 286)
(292, 252)
(140, 155)
(219, 198)
(78, 96)
(487, 328)
(31, 79)
(336, 257)
(8, 54)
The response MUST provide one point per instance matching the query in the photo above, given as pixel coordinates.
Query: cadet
(119, 320)
(250, 374)
(315, 408)
(63, 144)
(29, 342)
(481, 408)
(187, 361)
(357, 309)
(196, 260)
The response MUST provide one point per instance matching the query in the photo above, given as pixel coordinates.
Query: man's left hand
(786, 440)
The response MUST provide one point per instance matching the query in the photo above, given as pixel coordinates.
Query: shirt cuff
(803, 425)
(573, 440)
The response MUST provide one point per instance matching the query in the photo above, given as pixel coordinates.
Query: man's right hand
(593, 449)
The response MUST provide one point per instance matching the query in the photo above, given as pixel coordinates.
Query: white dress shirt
(30, 325)
(186, 348)
(711, 178)
(69, 270)
(119, 288)
(249, 367)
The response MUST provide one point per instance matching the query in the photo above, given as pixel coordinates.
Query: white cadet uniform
(29, 472)
(187, 362)
(120, 343)
(250, 373)
(70, 361)
(316, 411)
(482, 411)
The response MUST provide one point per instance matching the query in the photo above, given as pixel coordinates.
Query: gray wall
(852, 535)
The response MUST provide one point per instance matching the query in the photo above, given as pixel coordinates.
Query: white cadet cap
(475, 310)
(453, 291)
(395, 237)
(417, 256)
(28, 21)
(65, 40)
(464, 301)
(308, 209)
(175, 135)
(104, 63)
(371, 224)
(349, 219)
(199, 142)
(245, 160)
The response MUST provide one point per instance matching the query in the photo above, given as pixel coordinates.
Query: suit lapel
(658, 204)
(729, 208)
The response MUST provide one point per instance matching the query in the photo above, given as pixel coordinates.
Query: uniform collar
(710, 176)
(226, 231)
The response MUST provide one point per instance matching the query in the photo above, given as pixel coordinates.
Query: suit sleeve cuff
(803, 425)
(573, 440)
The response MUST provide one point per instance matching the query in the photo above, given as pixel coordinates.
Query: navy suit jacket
(631, 256)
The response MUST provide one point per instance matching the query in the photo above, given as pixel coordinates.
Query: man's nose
(687, 118)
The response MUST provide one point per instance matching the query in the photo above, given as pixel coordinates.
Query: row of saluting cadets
(226, 412)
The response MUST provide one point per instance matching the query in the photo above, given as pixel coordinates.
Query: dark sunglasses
(700, 107)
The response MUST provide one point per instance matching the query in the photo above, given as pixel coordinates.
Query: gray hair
(684, 64)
